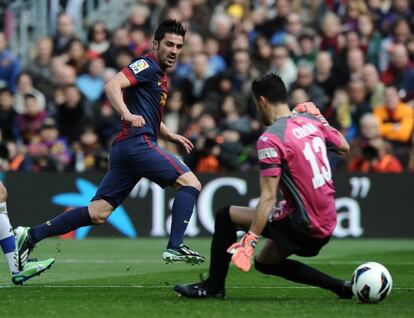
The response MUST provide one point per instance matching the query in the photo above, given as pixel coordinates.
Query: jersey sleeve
(138, 71)
(269, 155)
(332, 137)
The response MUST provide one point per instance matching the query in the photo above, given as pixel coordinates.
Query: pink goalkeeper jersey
(295, 148)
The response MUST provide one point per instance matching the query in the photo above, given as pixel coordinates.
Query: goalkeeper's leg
(228, 221)
(272, 261)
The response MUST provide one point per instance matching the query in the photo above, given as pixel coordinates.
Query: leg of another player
(272, 261)
(7, 241)
(188, 189)
(96, 213)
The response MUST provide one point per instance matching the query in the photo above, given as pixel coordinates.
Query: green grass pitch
(127, 278)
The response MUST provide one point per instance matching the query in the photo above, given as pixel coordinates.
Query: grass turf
(127, 278)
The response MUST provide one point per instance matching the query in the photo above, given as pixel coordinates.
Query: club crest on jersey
(267, 153)
(138, 66)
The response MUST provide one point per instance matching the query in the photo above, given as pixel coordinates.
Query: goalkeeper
(292, 152)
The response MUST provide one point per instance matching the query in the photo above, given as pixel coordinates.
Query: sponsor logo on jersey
(267, 153)
(138, 66)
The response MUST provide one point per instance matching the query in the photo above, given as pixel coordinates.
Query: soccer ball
(371, 282)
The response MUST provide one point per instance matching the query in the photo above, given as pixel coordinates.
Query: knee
(189, 180)
(268, 269)
(3, 193)
(99, 215)
(223, 216)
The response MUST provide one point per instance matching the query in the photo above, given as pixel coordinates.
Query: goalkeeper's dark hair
(271, 87)
(169, 26)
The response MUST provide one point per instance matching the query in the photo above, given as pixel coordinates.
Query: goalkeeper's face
(168, 49)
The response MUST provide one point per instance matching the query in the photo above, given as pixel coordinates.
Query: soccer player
(139, 94)
(8, 245)
(292, 153)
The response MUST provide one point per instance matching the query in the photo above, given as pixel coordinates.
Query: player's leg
(185, 199)
(8, 245)
(165, 169)
(111, 192)
(228, 221)
(7, 241)
(271, 260)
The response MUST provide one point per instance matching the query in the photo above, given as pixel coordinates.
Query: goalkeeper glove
(310, 108)
(243, 251)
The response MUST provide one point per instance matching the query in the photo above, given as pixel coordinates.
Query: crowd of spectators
(354, 59)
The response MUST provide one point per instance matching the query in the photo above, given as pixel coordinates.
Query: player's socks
(301, 273)
(225, 234)
(63, 223)
(7, 242)
(181, 213)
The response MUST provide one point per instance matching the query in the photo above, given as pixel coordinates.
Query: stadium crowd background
(354, 59)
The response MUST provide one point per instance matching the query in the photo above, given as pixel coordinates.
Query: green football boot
(24, 245)
(31, 269)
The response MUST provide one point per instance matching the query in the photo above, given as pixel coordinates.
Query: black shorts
(288, 239)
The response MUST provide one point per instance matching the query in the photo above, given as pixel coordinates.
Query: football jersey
(295, 148)
(147, 96)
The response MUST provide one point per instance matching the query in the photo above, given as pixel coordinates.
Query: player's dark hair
(169, 26)
(271, 87)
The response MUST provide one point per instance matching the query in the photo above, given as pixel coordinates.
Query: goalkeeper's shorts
(287, 238)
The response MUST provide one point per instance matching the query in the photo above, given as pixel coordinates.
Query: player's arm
(113, 90)
(243, 251)
(341, 146)
(268, 190)
(176, 138)
(336, 140)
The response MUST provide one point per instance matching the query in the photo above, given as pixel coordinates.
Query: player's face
(261, 104)
(168, 49)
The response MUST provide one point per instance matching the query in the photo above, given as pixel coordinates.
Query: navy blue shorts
(135, 158)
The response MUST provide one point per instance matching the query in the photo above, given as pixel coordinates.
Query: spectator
(331, 38)
(65, 34)
(242, 75)
(375, 88)
(47, 150)
(9, 66)
(306, 52)
(400, 34)
(396, 122)
(376, 157)
(71, 114)
(369, 152)
(400, 72)
(77, 56)
(306, 81)
(370, 39)
(91, 84)
(25, 86)
(89, 154)
(8, 115)
(262, 54)
(194, 87)
(325, 75)
(39, 68)
(216, 62)
(282, 65)
(358, 105)
(98, 39)
(30, 122)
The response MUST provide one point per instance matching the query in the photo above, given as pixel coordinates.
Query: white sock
(7, 241)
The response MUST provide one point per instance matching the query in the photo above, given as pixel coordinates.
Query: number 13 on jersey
(321, 170)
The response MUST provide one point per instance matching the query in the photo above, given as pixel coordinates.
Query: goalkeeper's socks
(182, 209)
(62, 224)
(224, 236)
(301, 273)
(7, 241)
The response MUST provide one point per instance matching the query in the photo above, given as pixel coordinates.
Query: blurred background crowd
(353, 58)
